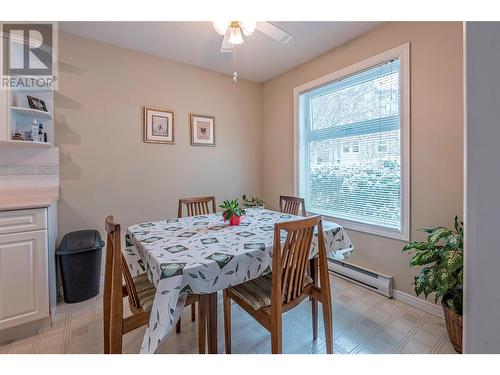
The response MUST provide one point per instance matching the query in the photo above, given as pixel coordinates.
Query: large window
(352, 144)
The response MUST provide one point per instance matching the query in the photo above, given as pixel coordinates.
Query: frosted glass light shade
(248, 27)
(235, 36)
(221, 26)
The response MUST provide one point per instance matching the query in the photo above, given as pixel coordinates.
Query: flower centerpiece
(232, 211)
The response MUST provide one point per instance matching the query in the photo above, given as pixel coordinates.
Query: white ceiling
(259, 59)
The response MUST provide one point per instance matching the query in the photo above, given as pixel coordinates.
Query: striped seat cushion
(257, 292)
(145, 291)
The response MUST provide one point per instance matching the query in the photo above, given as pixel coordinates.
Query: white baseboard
(419, 303)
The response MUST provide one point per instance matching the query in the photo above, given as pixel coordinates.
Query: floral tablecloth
(203, 254)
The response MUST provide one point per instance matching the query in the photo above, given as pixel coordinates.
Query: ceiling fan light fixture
(221, 26)
(235, 36)
(248, 27)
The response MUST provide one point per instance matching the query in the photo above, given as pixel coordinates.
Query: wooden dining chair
(195, 206)
(292, 205)
(140, 292)
(268, 297)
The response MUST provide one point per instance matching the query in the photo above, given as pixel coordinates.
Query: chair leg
(106, 323)
(227, 322)
(202, 324)
(310, 272)
(313, 269)
(116, 343)
(276, 339)
(327, 322)
(193, 312)
(116, 331)
(178, 326)
(314, 308)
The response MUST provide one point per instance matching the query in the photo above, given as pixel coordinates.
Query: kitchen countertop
(24, 198)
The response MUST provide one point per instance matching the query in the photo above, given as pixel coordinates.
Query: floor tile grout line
(67, 329)
(443, 339)
(398, 314)
(93, 326)
(38, 339)
(382, 327)
(412, 332)
(6, 346)
(337, 333)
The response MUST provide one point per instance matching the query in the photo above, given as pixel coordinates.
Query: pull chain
(235, 74)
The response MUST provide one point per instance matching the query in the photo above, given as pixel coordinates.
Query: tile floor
(364, 322)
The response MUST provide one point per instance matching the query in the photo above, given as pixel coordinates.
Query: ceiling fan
(233, 32)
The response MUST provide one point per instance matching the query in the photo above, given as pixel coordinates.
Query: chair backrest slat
(292, 205)
(196, 206)
(113, 250)
(290, 260)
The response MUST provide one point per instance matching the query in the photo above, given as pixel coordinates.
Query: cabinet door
(23, 278)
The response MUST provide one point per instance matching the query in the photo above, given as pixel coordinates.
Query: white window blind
(350, 147)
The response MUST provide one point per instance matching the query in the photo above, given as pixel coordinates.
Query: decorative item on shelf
(36, 103)
(158, 125)
(17, 137)
(253, 202)
(40, 132)
(232, 211)
(202, 130)
(442, 255)
(34, 130)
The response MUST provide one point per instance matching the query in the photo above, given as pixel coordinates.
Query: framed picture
(36, 103)
(202, 130)
(158, 125)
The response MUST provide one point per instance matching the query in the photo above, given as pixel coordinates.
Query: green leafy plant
(442, 257)
(252, 202)
(231, 208)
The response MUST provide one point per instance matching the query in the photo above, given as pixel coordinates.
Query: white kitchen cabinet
(24, 285)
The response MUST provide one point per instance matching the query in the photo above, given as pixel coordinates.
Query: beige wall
(104, 165)
(436, 132)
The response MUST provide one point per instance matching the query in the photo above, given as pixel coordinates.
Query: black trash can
(80, 260)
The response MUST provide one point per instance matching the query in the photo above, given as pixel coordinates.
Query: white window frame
(402, 53)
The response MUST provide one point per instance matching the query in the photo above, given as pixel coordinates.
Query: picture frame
(158, 125)
(202, 129)
(36, 103)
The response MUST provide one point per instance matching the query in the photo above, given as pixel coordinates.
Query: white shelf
(19, 117)
(30, 143)
(31, 112)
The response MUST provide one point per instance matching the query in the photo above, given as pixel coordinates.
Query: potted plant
(232, 211)
(442, 257)
(253, 202)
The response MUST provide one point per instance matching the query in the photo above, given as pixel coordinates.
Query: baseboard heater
(361, 276)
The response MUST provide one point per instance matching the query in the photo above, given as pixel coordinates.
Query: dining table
(203, 255)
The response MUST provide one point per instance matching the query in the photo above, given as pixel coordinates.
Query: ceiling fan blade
(274, 32)
(226, 46)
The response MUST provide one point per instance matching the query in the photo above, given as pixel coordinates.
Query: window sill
(365, 228)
